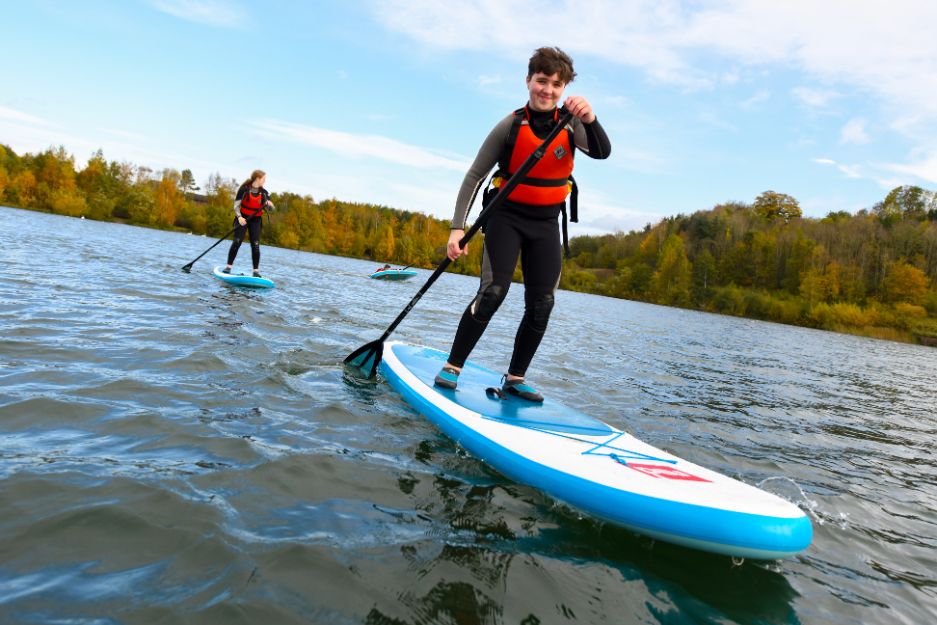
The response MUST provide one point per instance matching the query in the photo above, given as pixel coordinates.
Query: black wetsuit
(253, 227)
(517, 229)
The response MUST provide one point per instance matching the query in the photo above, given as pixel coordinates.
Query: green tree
(764, 251)
(187, 182)
(671, 282)
(904, 202)
(704, 277)
(639, 283)
(168, 200)
(141, 205)
(771, 205)
(220, 210)
(100, 187)
(23, 189)
(820, 284)
(904, 283)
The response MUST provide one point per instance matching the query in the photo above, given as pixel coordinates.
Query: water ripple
(173, 450)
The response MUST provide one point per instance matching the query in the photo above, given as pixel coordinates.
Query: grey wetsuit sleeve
(591, 139)
(237, 201)
(485, 160)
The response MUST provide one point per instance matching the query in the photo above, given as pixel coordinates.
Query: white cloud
(838, 51)
(123, 134)
(618, 101)
(835, 41)
(489, 79)
(19, 116)
(640, 33)
(731, 77)
(816, 98)
(854, 131)
(601, 219)
(755, 100)
(637, 160)
(436, 199)
(220, 13)
(601, 214)
(358, 146)
(850, 171)
(925, 169)
(710, 118)
(887, 51)
(28, 137)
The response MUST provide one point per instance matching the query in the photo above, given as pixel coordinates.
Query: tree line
(873, 272)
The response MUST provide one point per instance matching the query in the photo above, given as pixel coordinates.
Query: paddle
(369, 355)
(188, 267)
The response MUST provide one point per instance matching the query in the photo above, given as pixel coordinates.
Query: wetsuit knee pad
(487, 302)
(540, 313)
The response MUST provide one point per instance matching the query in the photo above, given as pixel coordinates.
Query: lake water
(173, 450)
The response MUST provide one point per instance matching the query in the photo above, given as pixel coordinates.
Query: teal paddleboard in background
(393, 274)
(240, 279)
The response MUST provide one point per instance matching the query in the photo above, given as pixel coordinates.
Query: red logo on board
(668, 473)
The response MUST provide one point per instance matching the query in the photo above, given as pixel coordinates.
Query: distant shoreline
(888, 333)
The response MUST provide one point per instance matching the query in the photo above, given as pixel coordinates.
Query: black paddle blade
(367, 358)
(187, 268)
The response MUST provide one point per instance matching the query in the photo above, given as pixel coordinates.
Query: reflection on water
(176, 450)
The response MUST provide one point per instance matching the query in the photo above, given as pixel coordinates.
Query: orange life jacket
(253, 205)
(549, 182)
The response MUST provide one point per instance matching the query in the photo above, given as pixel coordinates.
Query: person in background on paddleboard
(527, 223)
(249, 206)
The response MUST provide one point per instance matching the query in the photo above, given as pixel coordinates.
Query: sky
(388, 101)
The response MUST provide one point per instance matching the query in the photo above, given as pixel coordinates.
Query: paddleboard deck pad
(596, 468)
(393, 274)
(240, 279)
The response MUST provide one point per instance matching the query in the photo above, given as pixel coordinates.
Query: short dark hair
(551, 61)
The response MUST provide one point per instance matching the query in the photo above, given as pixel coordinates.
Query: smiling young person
(527, 223)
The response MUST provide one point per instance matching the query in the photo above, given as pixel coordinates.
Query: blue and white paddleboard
(597, 468)
(240, 279)
(393, 274)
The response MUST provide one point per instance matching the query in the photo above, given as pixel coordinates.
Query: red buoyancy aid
(549, 181)
(253, 205)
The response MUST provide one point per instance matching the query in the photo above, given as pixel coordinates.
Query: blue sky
(832, 102)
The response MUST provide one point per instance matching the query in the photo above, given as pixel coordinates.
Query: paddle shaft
(483, 217)
(189, 265)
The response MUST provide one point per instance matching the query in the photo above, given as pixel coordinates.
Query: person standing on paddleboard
(527, 223)
(249, 206)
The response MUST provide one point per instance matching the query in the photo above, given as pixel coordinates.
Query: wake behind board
(595, 467)
(240, 279)
(393, 274)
